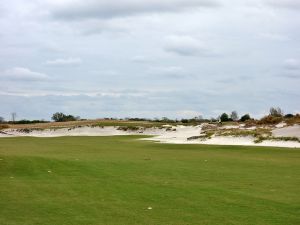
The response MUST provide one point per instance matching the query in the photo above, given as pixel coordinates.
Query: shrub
(271, 120)
(28, 121)
(288, 116)
(245, 117)
(293, 120)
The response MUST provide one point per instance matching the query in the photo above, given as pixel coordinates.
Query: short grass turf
(123, 180)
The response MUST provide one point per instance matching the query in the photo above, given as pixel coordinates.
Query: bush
(293, 120)
(288, 116)
(271, 120)
(28, 121)
(245, 118)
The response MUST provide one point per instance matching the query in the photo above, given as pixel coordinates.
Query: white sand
(177, 135)
(82, 131)
(292, 131)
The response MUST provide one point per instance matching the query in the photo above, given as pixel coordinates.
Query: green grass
(113, 180)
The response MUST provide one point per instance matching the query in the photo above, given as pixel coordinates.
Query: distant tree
(13, 116)
(184, 120)
(289, 115)
(277, 112)
(1, 119)
(224, 117)
(58, 117)
(245, 117)
(234, 116)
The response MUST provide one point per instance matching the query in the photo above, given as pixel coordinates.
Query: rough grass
(91, 123)
(3, 126)
(259, 134)
(114, 180)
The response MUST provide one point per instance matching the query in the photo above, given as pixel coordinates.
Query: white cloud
(187, 46)
(292, 64)
(22, 74)
(64, 62)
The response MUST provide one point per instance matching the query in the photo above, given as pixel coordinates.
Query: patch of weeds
(129, 128)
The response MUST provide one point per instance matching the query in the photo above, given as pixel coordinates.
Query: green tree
(224, 117)
(245, 117)
(58, 117)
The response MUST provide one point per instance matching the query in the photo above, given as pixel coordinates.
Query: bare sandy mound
(80, 131)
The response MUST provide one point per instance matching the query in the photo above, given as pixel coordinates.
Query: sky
(148, 58)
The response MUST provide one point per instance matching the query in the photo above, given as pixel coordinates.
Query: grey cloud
(141, 59)
(22, 74)
(109, 9)
(288, 4)
(291, 68)
(169, 72)
(187, 46)
(274, 36)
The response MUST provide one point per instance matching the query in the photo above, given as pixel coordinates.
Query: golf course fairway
(122, 180)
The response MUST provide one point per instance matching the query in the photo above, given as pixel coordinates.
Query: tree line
(275, 114)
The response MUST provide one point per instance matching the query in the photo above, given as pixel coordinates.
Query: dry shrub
(3, 126)
(270, 120)
(250, 123)
(209, 127)
(293, 120)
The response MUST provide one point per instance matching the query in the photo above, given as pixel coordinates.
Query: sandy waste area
(166, 134)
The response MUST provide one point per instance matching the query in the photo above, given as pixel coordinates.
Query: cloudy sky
(148, 58)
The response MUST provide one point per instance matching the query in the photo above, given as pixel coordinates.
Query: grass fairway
(113, 181)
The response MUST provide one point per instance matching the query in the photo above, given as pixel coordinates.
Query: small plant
(128, 128)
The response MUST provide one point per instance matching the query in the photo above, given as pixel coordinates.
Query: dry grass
(70, 124)
(3, 126)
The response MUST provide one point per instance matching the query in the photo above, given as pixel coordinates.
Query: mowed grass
(114, 181)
